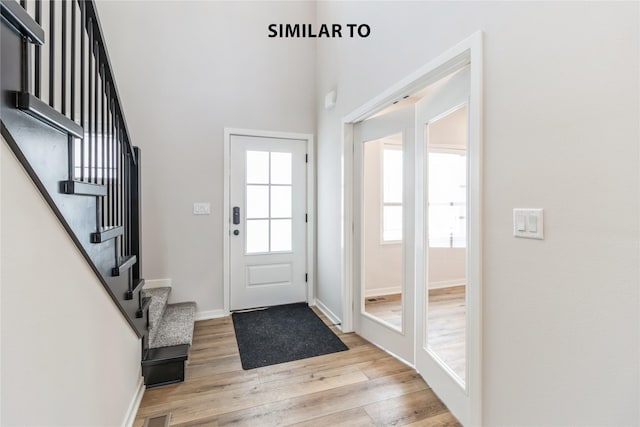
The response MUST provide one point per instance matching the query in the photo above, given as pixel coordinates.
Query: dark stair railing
(62, 116)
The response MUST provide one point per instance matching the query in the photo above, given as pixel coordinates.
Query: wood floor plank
(442, 420)
(406, 409)
(357, 387)
(356, 417)
(307, 407)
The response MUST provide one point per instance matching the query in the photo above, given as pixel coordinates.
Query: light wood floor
(386, 307)
(446, 326)
(446, 322)
(363, 386)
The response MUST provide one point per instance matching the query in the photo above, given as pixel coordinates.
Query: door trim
(467, 52)
(310, 205)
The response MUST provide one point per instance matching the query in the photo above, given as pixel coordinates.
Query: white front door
(383, 245)
(447, 232)
(268, 221)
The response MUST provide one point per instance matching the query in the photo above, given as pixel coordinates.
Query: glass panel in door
(382, 235)
(447, 237)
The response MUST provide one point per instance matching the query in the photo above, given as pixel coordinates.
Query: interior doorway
(446, 226)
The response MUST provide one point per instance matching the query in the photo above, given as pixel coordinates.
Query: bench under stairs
(61, 115)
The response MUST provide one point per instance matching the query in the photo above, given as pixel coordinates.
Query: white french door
(448, 228)
(383, 245)
(268, 185)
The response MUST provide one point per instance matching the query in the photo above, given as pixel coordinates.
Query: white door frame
(467, 52)
(310, 205)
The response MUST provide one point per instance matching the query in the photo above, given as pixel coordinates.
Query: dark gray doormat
(281, 334)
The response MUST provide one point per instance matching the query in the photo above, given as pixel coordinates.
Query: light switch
(528, 223)
(520, 224)
(202, 208)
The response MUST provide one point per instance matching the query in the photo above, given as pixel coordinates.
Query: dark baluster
(63, 59)
(104, 143)
(113, 162)
(52, 50)
(96, 100)
(127, 201)
(90, 102)
(25, 66)
(108, 177)
(72, 64)
(122, 205)
(23, 3)
(38, 56)
(96, 129)
(116, 174)
(97, 137)
(72, 87)
(83, 21)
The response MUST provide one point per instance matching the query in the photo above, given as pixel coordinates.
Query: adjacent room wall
(561, 132)
(383, 264)
(185, 71)
(68, 355)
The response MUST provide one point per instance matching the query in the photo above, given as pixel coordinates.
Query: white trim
(132, 411)
(468, 51)
(211, 314)
(406, 362)
(157, 283)
(447, 283)
(383, 291)
(311, 197)
(330, 314)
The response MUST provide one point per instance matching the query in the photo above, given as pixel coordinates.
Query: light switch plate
(528, 223)
(202, 208)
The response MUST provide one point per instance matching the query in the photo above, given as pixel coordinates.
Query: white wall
(68, 355)
(184, 72)
(560, 322)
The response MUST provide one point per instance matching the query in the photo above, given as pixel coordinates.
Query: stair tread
(158, 356)
(176, 327)
(159, 297)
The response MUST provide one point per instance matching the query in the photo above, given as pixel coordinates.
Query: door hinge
(306, 158)
(306, 218)
(306, 277)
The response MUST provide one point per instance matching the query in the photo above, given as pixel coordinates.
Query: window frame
(398, 146)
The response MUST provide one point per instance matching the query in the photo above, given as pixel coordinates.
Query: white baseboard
(330, 314)
(211, 314)
(383, 291)
(130, 417)
(156, 283)
(447, 284)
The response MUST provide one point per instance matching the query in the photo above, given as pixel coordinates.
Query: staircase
(61, 114)
(170, 336)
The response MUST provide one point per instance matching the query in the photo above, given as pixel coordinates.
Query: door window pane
(257, 167)
(257, 201)
(257, 236)
(392, 175)
(281, 201)
(280, 168)
(392, 223)
(280, 235)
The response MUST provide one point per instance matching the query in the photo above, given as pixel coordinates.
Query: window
(447, 198)
(391, 193)
(103, 158)
(269, 202)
